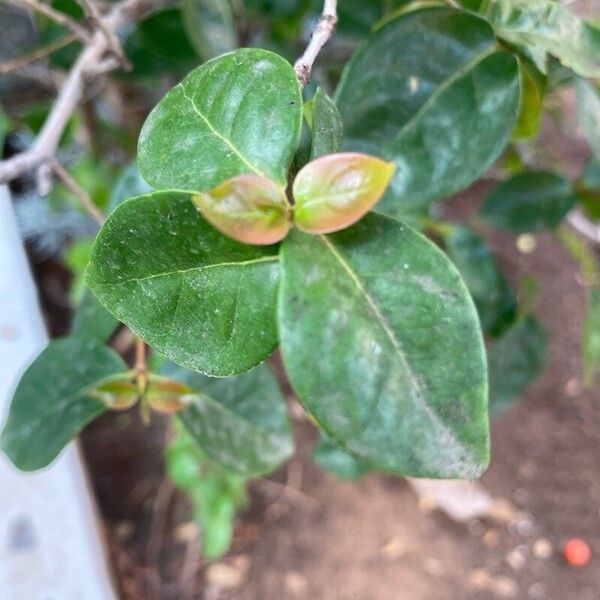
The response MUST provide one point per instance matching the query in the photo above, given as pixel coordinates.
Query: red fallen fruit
(576, 552)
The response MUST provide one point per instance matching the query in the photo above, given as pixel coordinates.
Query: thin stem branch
(58, 17)
(37, 54)
(84, 198)
(140, 367)
(114, 45)
(320, 36)
(90, 62)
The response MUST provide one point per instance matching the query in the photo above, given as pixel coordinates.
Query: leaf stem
(84, 198)
(24, 59)
(140, 366)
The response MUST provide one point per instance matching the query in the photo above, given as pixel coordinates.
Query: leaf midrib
(219, 135)
(391, 336)
(263, 259)
(445, 85)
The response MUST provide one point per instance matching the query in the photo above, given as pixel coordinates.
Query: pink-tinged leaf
(167, 396)
(247, 208)
(335, 191)
(118, 393)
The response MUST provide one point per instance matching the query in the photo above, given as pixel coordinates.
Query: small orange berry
(576, 552)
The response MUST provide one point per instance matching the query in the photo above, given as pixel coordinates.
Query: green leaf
(128, 184)
(92, 321)
(167, 396)
(209, 25)
(588, 189)
(325, 121)
(158, 45)
(247, 208)
(52, 402)
(588, 113)
(382, 345)
(528, 202)
(514, 361)
(120, 392)
(76, 257)
(496, 304)
(198, 297)
(533, 87)
(591, 337)
(237, 114)
(545, 27)
(439, 103)
(331, 458)
(240, 422)
(215, 493)
(336, 190)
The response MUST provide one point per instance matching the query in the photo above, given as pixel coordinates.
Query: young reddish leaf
(117, 393)
(168, 396)
(247, 208)
(335, 191)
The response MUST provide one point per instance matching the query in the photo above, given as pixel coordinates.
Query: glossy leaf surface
(237, 114)
(335, 191)
(92, 320)
(529, 201)
(514, 361)
(240, 422)
(382, 345)
(52, 402)
(325, 122)
(545, 27)
(247, 208)
(437, 102)
(198, 297)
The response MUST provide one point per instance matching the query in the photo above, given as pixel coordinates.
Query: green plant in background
(264, 213)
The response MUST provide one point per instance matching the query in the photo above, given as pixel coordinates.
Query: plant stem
(58, 17)
(320, 36)
(84, 198)
(20, 61)
(140, 366)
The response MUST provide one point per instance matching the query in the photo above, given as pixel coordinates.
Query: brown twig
(58, 17)
(84, 198)
(37, 54)
(114, 45)
(90, 62)
(320, 36)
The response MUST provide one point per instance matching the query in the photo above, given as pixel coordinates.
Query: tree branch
(58, 17)
(320, 36)
(90, 62)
